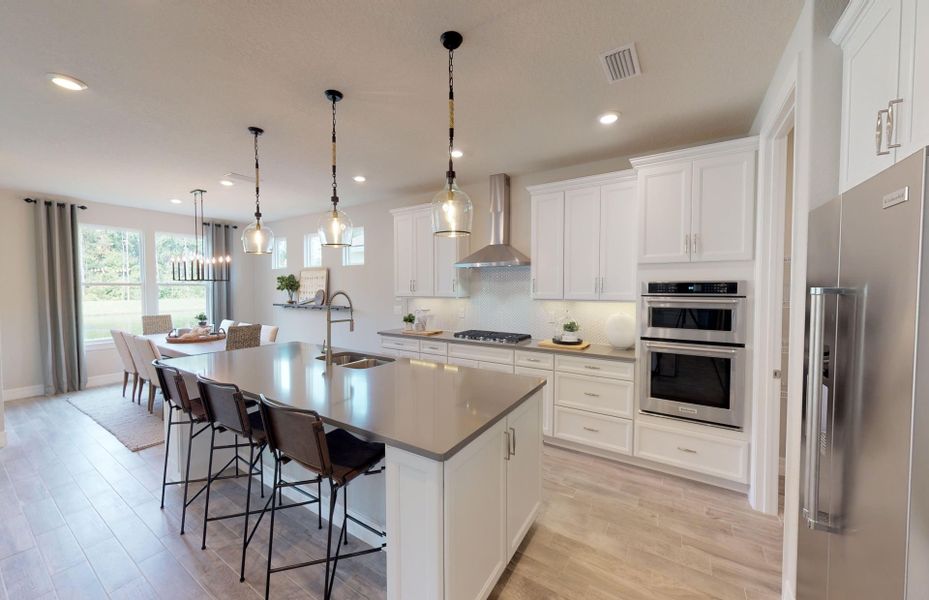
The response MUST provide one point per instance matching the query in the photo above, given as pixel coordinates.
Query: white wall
(19, 318)
(813, 65)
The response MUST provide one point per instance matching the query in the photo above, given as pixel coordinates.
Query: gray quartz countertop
(594, 351)
(429, 409)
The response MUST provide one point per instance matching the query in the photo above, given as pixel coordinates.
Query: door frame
(769, 297)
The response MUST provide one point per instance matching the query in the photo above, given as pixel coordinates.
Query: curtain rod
(221, 225)
(49, 203)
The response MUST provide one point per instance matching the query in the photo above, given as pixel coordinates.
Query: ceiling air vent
(621, 63)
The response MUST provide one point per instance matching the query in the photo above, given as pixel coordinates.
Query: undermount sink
(355, 360)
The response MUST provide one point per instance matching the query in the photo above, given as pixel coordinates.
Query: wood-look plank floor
(80, 518)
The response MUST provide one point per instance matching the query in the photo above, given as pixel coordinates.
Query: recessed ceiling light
(67, 82)
(360, 178)
(609, 118)
(175, 201)
(456, 153)
(226, 182)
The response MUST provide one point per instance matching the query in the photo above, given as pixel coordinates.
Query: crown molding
(739, 145)
(583, 182)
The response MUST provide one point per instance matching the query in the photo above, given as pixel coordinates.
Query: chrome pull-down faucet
(350, 320)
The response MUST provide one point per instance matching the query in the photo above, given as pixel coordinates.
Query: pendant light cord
(335, 194)
(257, 191)
(451, 115)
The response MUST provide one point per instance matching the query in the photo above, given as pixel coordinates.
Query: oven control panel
(703, 288)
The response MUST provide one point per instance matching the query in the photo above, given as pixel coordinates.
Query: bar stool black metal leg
(345, 513)
(164, 475)
(261, 469)
(333, 499)
(335, 561)
(319, 507)
(248, 507)
(277, 466)
(190, 443)
(209, 480)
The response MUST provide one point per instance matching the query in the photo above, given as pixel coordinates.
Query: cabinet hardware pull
(533, 360)
(892, 124)
(533, 285)
(507, 434)
(879, 132)
(591, 394)
(591, 429)
(513, 441)
(591, 367)
(687, 450)
(693, 244)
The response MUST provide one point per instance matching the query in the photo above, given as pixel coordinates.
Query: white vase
(620, 330)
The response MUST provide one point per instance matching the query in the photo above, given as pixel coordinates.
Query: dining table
(175, 350)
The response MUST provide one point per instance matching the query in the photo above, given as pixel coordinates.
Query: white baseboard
(106, 379)
(19, 393)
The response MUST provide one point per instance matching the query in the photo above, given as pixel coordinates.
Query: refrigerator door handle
(816, 519)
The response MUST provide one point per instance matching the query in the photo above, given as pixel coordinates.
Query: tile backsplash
(500, 300)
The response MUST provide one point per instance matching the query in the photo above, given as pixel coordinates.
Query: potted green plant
(289, 284)
(570, 328)
(408, 320)
(201, 319)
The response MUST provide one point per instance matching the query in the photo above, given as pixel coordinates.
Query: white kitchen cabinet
(914, 77)
(618, 235)
(490, 366)
(404, 253)
(547, 232)
(692, 447)
(582, 244)
(463, 362)
(450, 282)
(722, 222)
(523, 484)
(595, 394)
(698, 204)
(593, 430)
(424, 247)
(548, 394)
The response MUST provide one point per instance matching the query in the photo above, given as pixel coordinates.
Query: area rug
(130, 423)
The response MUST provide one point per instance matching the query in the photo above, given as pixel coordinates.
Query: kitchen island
(463, 464)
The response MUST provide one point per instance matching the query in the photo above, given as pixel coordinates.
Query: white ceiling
(175, 84)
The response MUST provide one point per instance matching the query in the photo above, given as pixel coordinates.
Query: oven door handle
(692, 348)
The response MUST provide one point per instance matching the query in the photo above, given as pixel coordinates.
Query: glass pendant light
(257, 239)
(335, 228)
(451, 207)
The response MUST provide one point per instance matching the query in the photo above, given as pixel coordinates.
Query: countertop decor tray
(555, 345)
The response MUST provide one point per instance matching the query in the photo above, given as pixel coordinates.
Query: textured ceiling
(174, 85)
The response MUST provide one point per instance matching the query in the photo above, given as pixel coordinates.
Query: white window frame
(279, 254)
(208, 309)
(308, 250)
(347, 251)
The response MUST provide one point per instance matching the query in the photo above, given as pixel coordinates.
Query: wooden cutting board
(425, 332)
(554, 346)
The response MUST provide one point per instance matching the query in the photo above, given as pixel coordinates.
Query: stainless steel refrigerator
(864, 492)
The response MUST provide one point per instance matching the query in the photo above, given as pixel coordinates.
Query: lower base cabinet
(599, 431)
(705, 453)
(548, 395)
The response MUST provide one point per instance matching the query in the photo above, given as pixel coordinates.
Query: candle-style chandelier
(195, 265)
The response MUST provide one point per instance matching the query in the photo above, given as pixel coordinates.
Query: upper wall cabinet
(885, 84)
(584, 238)
(697, 205)
(424, 265)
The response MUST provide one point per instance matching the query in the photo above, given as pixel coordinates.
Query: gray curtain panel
(219, 243)
(58, 273)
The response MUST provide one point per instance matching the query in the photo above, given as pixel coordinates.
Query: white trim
(582, 182)
(769, 285)
(705, 151)
(410, 209)
(105, 379)
(99, 345)
(29, 391)
(848, 22)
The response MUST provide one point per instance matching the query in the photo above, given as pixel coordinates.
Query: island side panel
(523, 471)
(415, 525)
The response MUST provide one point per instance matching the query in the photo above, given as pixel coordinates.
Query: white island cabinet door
(582, 244)
(523, 471)
(548, 395)
(475, 516)
(618, 241)
(547, 260)
(423, 258)
(664, 213)
(723, 207)
(871, 55)
(403, 255)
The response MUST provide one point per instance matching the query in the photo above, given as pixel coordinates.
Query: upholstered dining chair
(125, 357)
(156, 324)
(146, 352)
(243, 336)
(225, 324)
(269, 333)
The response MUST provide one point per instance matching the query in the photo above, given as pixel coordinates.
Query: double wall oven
(693, 351)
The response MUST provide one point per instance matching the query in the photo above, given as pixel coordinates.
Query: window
(279, 253)
(355, 254)
(111, 281)
(312, 251)
(182, 300)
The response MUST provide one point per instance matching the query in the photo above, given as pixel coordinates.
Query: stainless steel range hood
(499, 253)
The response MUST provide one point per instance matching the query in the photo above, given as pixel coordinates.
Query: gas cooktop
(499, 337)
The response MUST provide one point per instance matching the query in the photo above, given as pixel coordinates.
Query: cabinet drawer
(597, 367)
(481, 353)
(704, 453)
(495, 367)
(400, 344)
(431, 347)
(462, 362)
(436, 358)
(596, 394)
(600, 431)
(535, 360)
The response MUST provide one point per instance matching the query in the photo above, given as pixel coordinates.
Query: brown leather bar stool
(340, 457)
